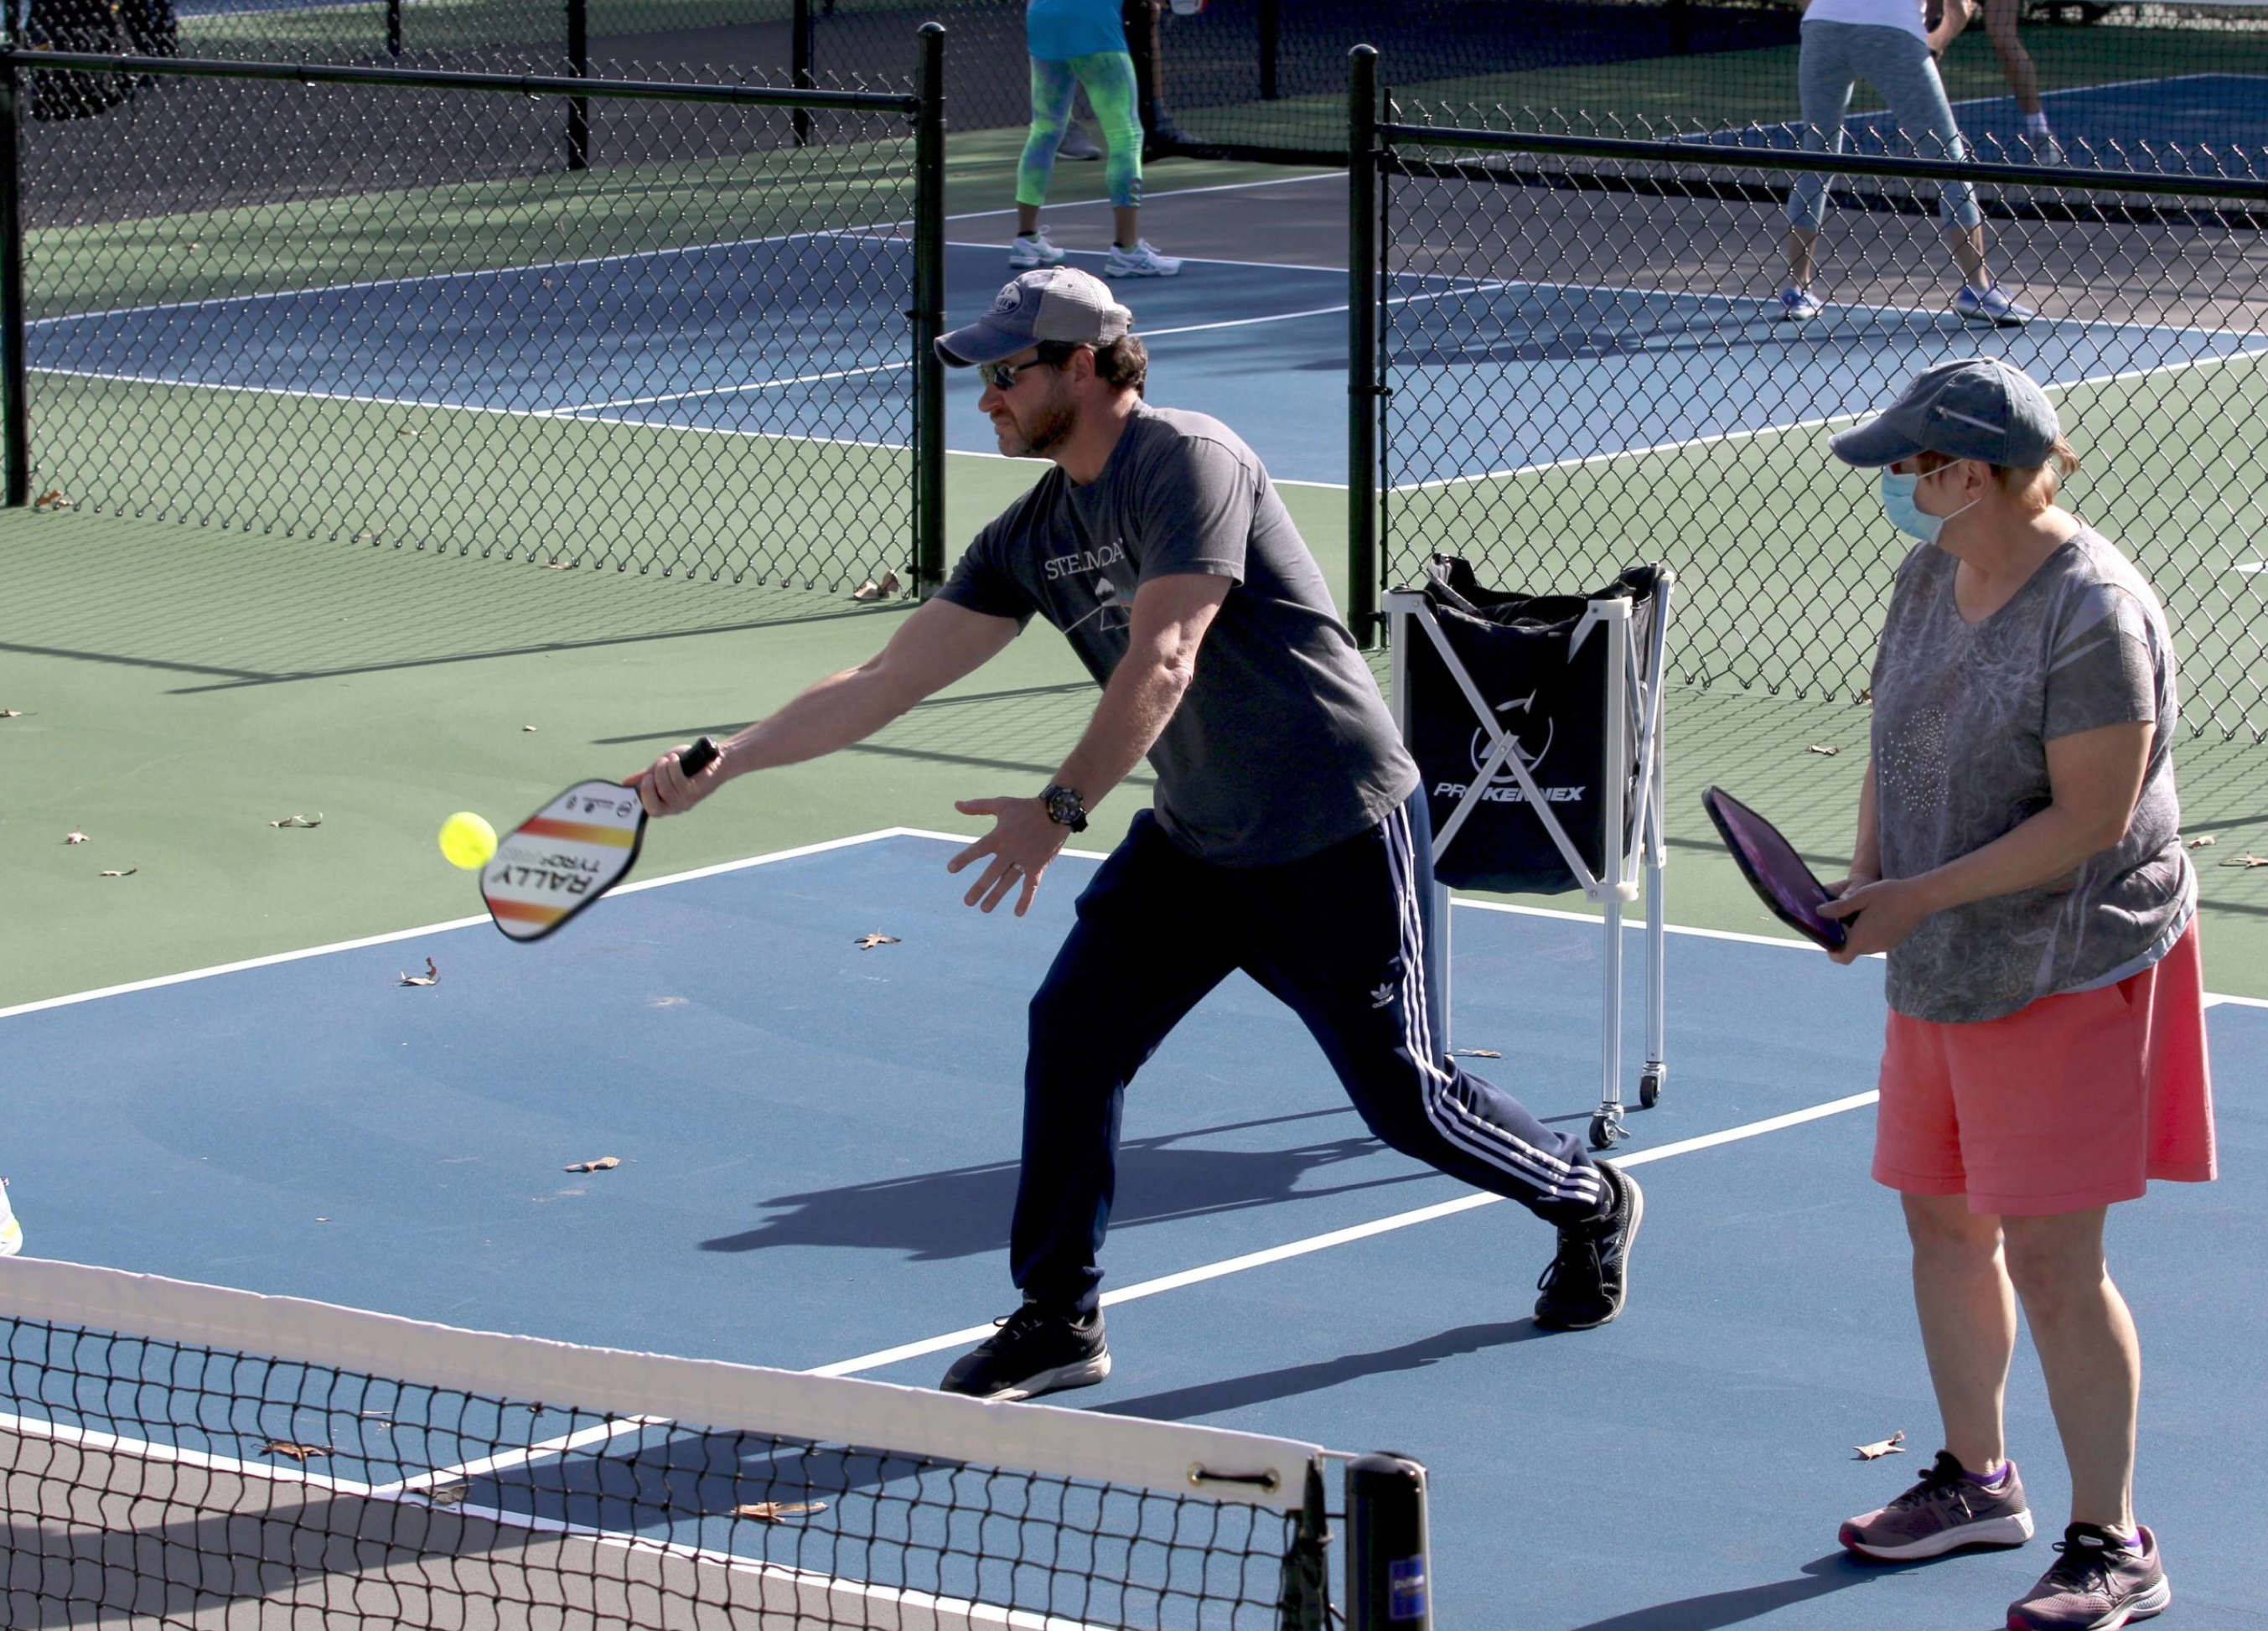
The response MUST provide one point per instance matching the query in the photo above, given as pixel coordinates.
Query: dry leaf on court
(604, 1164)
(129, 872)
(2207, 842)
(526, 728)
(314, 820)
(867, 943)
(871, 590)
(560, 566)
(12, 713)
(430, 977)
(1864, 699)
(1473, 1053)
(301, 1454)
(1882, 1447)
(2247, 861)
(1824, 752)
(75, 838)
(408, 431)
(52, 499)
(448, 1495)
(775, 1511)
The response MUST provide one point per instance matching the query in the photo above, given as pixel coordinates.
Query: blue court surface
(819, 1150)
(758, 338)
(2187, 124)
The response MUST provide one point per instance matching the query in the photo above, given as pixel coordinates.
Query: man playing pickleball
(1288, 837)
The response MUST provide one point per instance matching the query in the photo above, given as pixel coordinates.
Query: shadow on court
(963, 1211)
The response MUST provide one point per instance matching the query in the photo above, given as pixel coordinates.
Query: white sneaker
(2045, 150)
(1139, 261)
(1027, 252)
(1992, 305)
(12, 1232)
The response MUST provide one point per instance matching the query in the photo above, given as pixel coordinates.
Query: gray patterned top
(1963, 713)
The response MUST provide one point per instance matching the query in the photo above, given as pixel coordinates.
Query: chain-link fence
(1579, 356)
(589, 323)
(843, 44)
(1265, 78)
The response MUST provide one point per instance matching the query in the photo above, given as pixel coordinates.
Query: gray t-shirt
(1281, 746)
(1963, 713)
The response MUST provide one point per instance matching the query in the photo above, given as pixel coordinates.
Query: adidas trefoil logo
(1382, 996)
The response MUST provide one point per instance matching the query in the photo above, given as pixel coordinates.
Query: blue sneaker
(1992, 305)
(1798, 305)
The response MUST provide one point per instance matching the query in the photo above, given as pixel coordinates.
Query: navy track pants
(1340, 937)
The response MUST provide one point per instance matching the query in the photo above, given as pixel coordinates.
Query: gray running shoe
(2098, 1583)
(1944, 1511)
(1077, 144)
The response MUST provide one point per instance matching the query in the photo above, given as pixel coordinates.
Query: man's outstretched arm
(937, 645)
(1170, 617)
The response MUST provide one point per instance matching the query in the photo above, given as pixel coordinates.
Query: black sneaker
(1585, 1282)
(1038, 1351)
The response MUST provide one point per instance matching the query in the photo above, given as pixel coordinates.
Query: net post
(19, 424)
(1387, 1586)
(1271, 36)
(394, 27)
(578, 108)
(1364, 389)
(928, 315)
(801, 64)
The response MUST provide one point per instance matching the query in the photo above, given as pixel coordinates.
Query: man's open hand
(1021, 845)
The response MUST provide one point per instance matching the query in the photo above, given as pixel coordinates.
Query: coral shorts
(2070, 1102)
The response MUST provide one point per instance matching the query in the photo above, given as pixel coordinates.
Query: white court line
(1715, 438)
(722, 389)
(297, 393)
(1344, 1236)
(417, 278)
(2251, 567)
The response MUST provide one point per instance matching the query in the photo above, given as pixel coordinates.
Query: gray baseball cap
(1979, 408)
(1059, 303)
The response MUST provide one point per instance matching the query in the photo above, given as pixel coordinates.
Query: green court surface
(181, 688)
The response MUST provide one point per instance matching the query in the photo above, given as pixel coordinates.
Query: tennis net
(174, 1454)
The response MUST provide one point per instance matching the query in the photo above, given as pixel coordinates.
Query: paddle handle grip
(699, 757)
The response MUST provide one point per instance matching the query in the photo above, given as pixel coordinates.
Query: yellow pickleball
(467, 841)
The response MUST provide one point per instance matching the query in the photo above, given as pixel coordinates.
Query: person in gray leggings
(1887, 43)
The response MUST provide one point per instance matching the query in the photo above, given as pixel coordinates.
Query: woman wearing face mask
(2019, 860)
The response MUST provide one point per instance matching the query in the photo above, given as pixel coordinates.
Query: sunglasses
(1002, 375)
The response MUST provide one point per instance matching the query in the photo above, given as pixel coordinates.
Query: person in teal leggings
(1075, 43)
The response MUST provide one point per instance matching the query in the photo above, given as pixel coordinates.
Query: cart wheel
(1649, 1090)
(1607, 1129)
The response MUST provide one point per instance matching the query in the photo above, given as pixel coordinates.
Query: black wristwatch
(1065, 807)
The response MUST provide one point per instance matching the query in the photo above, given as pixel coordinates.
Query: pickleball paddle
(570, 852)
(1773, 868)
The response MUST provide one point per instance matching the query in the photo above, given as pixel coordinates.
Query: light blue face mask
(1906, 516)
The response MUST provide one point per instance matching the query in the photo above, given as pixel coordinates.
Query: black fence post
(1365, 389)
(394, 27)
(1388, 1587)
(929, 315)
(578, 108)
(19, 433)
(1271, 33)
(801, 64)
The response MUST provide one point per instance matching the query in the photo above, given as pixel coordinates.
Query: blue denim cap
(1059, 303)
(1979, 408)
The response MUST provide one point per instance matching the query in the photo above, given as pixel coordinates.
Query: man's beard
(1049, 427)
